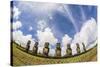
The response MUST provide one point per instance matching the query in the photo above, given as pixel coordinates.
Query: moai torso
(46, 49)
(78, 48)
(28, 45)
(35, 48)
(68, 50)
(58, 50)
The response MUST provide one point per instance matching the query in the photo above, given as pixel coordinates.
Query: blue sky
(67, 20)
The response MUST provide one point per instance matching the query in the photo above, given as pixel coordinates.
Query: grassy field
(20, 57)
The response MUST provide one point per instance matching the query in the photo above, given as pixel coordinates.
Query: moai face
(46, 45)
(58, 45)
(36, 44)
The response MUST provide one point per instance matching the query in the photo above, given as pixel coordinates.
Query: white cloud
(30, 28)
(52, 52)
(45, 36)
(38, 7)
(92, 44)
(89, 31)
(42, 24)
(65, 40)
(16, 25)
(87, 34)
(73, 47)
(16, 12)
(22, 39)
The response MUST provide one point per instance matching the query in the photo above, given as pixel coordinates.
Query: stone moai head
(58, 45)
(36, 44)
(46, 45)
(29, 42)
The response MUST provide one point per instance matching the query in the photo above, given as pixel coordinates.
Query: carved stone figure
(58, 50)
(28, 45)
(84, 47)
(46, 49)
(78, 48)
(68, 50)
(35, 48)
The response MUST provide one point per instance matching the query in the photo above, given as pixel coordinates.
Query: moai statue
(68, 50)
(78, 48)
(58, 50)
(46, 49)
(84, 47)
(35, 48)
(28, 45)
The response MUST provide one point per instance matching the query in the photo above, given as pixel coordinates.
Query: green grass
(20, 57)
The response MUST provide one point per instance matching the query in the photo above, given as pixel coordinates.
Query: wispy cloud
(70, 16)
(83, 14)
